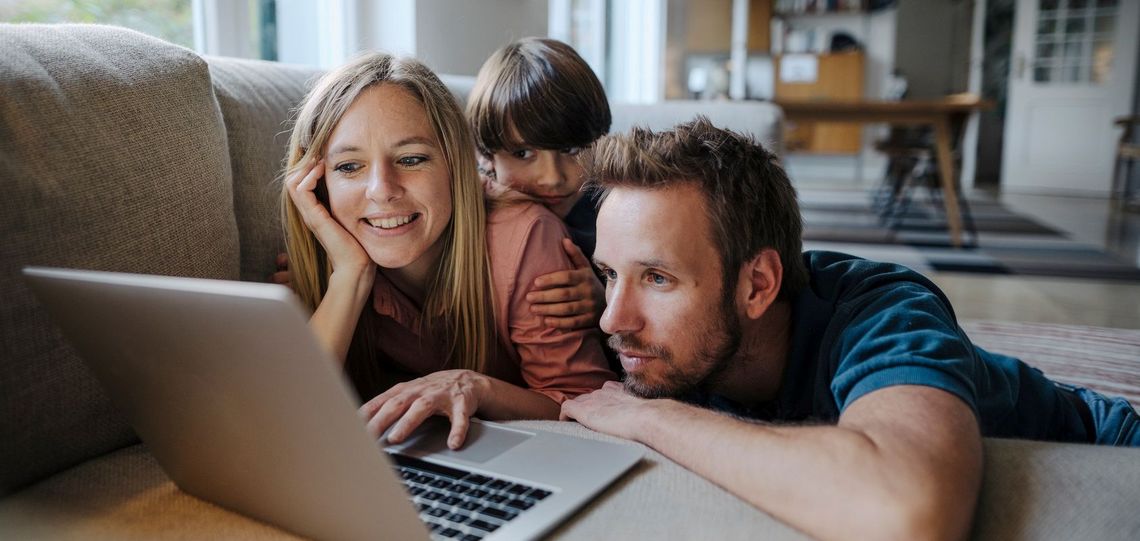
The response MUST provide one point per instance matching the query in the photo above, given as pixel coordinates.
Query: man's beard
(717, 343)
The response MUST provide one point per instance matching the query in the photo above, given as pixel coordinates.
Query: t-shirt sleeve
(904, 335)
(557, 363)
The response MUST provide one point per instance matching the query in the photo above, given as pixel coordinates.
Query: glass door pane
(1074, 41)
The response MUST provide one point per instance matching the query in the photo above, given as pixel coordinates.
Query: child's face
(551, 177)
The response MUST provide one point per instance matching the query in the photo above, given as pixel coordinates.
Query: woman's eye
(411, 161)
(347, 168)
(572, 151)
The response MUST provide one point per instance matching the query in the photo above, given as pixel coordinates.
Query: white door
(1073, 72)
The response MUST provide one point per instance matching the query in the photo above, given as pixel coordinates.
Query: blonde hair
(458, 304)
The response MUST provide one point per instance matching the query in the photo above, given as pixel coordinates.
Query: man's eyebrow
(655, 264)
(645, 263)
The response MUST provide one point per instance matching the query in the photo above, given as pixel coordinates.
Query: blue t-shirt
(582, 222)
(861, 326)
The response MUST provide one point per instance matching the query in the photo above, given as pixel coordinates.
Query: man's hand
(569, 299)
(455, 394)
(611, 410)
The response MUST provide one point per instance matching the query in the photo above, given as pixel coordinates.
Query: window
(1074, 41)
(170, 20)
(243, 28)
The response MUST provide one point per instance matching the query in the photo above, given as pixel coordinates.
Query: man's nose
(622, 314)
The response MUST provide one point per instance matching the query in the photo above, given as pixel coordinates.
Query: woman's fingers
(460, 422)
(416, 414)
(382, 411)
(405, 406)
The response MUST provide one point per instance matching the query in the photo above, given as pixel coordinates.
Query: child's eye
(523, 154)
(571, 151)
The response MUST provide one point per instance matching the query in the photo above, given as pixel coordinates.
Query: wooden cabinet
(839, 77)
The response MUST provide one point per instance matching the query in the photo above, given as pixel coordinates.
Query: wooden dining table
(944, 115)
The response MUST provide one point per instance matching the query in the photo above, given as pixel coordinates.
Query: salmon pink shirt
(524, 241)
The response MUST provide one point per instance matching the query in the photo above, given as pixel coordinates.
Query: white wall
(457, 36)
(387, 25)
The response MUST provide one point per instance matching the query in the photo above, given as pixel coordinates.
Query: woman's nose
(383, 184)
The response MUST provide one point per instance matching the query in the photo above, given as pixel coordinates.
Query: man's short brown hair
(543, 90)
(750, 201)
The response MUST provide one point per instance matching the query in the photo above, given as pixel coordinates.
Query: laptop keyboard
(457, 504)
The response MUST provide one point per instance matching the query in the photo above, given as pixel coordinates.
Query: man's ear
(760, 280)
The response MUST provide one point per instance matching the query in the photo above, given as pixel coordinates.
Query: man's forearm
(828, 481)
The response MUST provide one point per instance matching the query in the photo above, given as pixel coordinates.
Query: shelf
(799, 8)
(788, 14)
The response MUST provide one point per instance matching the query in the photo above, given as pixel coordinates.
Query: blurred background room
(988, 143)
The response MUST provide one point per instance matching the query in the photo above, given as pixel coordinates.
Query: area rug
(1005, 242)
(1105, 360)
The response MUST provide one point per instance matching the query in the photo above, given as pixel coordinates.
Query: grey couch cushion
(112, 157)
(257, 100)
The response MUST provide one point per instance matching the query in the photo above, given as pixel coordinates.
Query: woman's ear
(760, 280)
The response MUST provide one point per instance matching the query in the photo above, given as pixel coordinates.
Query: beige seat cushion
(112, 157)
(1032, 490)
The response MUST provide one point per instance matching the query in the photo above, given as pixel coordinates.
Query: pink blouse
(524, 242)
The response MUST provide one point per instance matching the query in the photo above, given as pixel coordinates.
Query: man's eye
(347, 168)
(657, 279)
(609, 275)
(572, 151)
(411, 161)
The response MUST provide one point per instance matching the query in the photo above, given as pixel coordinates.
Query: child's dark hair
(540, 93)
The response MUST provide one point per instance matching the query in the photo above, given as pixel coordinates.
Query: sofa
(120, 152)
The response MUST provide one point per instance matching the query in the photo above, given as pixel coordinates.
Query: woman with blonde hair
(407, 273)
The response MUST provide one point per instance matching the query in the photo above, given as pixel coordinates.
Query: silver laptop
(241, 406)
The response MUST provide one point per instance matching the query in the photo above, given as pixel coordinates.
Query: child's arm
(569, 299)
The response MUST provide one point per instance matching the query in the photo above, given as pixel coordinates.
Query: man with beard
(838, 394)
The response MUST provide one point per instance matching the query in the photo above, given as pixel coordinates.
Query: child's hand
(570, 299)
(282, 276)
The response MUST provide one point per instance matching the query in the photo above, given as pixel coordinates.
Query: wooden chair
(912, 167)
(1127, 150)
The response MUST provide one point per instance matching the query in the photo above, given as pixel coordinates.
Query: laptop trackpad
(482, 444)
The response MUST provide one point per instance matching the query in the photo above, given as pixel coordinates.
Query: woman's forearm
(501, 400)
(334, 321)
